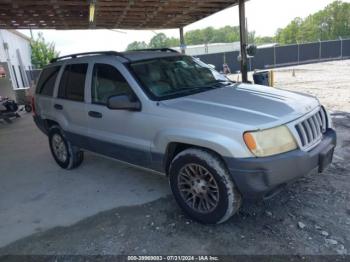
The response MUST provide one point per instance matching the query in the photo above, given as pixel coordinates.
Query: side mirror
(123, 102)
(251, 50)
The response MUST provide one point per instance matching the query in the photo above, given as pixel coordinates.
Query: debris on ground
(301, 225)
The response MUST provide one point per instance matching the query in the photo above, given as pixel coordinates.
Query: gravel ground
(312, 216)
(330, 82)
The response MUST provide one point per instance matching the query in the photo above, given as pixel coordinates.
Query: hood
(247, 104)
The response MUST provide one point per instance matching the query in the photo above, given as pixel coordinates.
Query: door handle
(95, 114)
(58, 107)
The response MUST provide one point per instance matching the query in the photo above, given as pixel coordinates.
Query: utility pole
(244, 44)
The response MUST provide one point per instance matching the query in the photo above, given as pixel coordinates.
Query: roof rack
(87, 54)
(158, 49)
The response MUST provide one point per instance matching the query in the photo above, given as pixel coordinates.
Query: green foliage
(158, 41)
(327, 24)
(227, 34)
(260, 40)
(162, 41)
(42, 51)
(137, 45)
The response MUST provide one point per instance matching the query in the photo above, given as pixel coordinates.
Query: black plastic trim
(256, 177)
(40, 123)
(130, 155)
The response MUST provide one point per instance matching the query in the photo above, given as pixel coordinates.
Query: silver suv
(217, 141)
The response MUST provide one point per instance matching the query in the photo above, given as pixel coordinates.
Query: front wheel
(202, 186)
(65, 154)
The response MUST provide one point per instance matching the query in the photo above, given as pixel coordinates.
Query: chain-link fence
(287, 55)
(270, 57)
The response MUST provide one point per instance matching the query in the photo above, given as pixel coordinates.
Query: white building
(15, 60)
(194, 50)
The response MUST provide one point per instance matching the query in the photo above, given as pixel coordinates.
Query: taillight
(33, 106)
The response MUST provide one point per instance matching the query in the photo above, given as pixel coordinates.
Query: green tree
(328, 24)
(227, 34)
(290, 34)
(159, 41)
(172, 42)
(42, 51)
(194, 37)
(136, 45)
(260, 40)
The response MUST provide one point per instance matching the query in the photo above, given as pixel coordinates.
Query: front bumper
(260, 177)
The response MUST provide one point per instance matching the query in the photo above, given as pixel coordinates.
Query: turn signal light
(249, 141)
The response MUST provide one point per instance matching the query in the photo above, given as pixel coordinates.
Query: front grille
(311, 129)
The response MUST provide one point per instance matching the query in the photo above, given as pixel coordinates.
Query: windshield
(169, 77)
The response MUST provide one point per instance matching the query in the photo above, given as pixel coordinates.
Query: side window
(107, 81)
(47, 81)
(72, 83)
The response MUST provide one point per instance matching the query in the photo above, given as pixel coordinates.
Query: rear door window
(47, 81)
(72, 83)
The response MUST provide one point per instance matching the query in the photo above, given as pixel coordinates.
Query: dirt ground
(312, 216)
(329, 82)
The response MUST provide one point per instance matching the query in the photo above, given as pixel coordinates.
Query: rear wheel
(202, 186)
(65, 154)
(28, 108)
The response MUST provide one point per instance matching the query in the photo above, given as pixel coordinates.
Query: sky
(264, 17)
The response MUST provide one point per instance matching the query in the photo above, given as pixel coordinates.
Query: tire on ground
(229, 198)
(74, 155)
(28, 108)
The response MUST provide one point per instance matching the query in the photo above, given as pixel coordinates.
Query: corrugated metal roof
(123, 14)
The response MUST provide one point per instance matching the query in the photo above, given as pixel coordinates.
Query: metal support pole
(243, 36)
(298, 52)
(320, 51)
(341, 47)
(182, 41)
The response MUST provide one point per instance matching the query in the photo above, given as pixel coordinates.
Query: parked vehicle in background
(217, 141)
(8, 109)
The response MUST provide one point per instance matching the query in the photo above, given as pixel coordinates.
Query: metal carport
(123, 14)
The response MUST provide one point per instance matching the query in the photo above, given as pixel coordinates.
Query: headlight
(270, 141)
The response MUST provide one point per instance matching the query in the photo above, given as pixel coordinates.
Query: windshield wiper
(193, 90)
(185, 91)
(220, 83)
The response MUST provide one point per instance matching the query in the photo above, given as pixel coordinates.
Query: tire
(28, 108)
(202, 173)
(65, 154)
